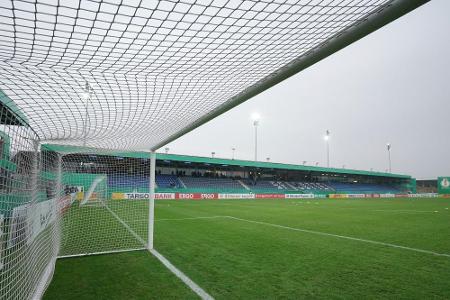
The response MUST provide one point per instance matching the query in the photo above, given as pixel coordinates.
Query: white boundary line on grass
(136, 236)
(101, 253)
(192, 218)
(319, 233)
(191, 284)
(176, 219)
(342, 237)
(405, 211)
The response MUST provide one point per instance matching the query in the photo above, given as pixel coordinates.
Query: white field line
(174, 219)
(191, 218)
(136, 220)
(343, 237)
(191, 284)
(136, 236)
(101, 253)
(213, 217)
(320, 233)
(405, 210)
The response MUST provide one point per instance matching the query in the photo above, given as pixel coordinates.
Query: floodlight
(255, 116)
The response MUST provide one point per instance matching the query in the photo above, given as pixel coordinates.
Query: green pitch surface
(272, 249)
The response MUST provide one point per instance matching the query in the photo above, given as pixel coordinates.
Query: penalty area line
(408, 211)
(174, 219)
(191, 218)
(191, 284)
(343, 237)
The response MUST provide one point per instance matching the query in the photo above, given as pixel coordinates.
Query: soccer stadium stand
(168, 181)
(128, 181)
(266, 185)
(356, 188)
(213, 184)
(312, 187)
(139, 182)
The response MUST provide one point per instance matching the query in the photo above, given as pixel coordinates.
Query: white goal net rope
(109, 206)
(130, 75)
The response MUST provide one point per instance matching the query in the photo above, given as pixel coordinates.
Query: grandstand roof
(138, 74)
(10, 114)
(218, 161)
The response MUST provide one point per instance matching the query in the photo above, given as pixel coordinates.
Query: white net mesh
(28, 211)
(154, 67)
(113, 74)
(108, 208)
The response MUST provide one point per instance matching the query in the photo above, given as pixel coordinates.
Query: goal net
(29, 201)
(97, 192)
(110, 210)
(131, 75)
(65, 203)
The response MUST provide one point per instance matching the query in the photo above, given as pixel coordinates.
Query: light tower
(327, 140)
(304, 162)
(255, 118)
(388, 147)
(212, 154)
(166, 149)
(232, 153)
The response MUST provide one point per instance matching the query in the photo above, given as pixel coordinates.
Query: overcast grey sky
(392, 86)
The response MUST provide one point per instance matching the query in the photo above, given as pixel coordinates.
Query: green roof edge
(13, 107)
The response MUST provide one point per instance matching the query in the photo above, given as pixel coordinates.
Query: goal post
(151, 204)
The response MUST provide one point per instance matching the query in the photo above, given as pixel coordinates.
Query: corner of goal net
(96, 193)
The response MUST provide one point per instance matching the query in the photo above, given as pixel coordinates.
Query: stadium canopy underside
(138, 74)
(181, 160)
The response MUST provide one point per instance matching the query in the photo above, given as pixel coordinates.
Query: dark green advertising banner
(443, 185)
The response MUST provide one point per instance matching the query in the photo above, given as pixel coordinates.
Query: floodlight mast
(388, 147)
(255, 118)
(327, 140)
(387, 13)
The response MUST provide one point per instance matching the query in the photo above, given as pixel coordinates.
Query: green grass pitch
(271, 249)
